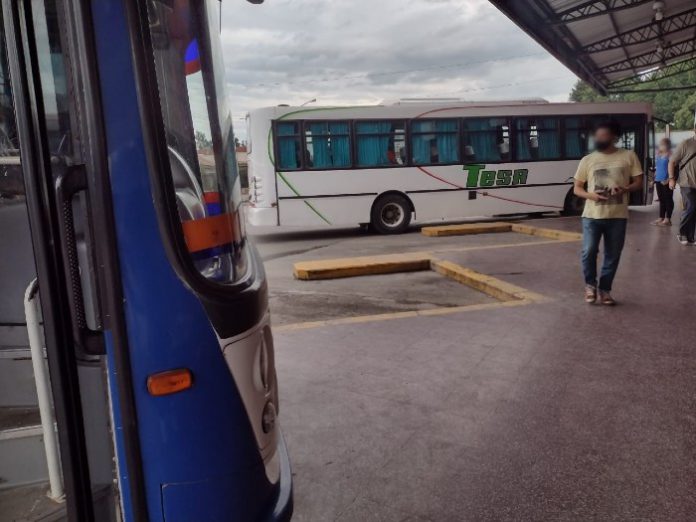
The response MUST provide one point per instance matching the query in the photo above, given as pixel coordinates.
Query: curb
(550, 233)
(361, 266)
(466, 229)
(489, 285)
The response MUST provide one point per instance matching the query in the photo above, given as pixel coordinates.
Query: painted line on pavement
(400, 315)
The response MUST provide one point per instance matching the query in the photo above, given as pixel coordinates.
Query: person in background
(664, 193)
(604, 178)
(684, 159)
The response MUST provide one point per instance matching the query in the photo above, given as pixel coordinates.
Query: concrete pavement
(548, 411)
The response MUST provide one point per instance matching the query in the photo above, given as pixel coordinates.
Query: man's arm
(635, 184)
(671, 172)
(579, 191)
(580, 179)
(674, 161)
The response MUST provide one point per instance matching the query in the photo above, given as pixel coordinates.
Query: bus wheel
(573, 205)
(391, 214)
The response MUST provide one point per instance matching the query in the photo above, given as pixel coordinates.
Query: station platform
(551, 410)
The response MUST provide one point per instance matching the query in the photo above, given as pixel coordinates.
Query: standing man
(610, 173)
(684, 158)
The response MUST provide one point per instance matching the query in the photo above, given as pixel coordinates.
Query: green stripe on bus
(280, 174)
(269, 148)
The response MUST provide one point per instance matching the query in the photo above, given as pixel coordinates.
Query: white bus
(391, 165)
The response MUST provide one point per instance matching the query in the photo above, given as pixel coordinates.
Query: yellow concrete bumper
(487, 228)
(466, 229)
(361, 266)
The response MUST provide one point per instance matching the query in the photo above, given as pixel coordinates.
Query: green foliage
(671, 106)
(684, 117)
(202, 141)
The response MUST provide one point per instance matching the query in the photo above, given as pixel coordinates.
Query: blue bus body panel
(200, 458)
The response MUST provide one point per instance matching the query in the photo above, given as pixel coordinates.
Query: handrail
(41, 378)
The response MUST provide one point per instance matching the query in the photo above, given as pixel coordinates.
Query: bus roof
(443, 109)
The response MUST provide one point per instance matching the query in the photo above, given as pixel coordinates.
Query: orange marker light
(171, 381)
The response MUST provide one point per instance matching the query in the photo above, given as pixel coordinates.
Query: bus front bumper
(262, 217)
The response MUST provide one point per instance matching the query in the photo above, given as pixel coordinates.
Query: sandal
(590, 294)
(606, 299)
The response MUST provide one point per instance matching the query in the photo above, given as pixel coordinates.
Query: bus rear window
(199, 136)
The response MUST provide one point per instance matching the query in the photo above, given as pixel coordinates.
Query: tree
(583, 93)
(684, 117)
(202, 141)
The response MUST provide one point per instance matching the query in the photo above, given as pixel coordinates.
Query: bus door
(145, 272)
(53, 133)
(635, 136)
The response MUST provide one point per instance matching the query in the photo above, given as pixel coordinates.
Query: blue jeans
(614, 233)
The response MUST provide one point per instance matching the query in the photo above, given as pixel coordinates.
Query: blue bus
(154, 303)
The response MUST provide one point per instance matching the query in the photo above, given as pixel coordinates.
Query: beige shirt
(687, 174)
(603, 172)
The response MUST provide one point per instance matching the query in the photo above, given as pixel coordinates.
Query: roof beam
(558, 41)
(685, 48)
(596, 8)
(645, 33)
(672, 70)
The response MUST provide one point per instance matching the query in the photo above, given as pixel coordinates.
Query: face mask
(602, 145)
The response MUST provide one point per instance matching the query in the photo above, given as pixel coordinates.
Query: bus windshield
(198, 130)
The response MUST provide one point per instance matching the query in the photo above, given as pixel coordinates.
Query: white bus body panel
(345, 197)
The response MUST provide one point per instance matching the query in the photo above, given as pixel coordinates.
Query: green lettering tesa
(478, 176)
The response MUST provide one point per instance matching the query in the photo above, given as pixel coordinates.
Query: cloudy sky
(368, 51)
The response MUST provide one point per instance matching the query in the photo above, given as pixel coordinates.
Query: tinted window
(537, 138)
(327, 144)
(576, 136)
(434, 142)
(486, 140)
(380, 143)
(289, 147)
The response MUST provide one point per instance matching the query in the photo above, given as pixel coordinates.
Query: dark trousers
(666, 197)
(687, 227)
(614, 233)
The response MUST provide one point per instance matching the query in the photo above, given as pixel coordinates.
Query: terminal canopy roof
(611, 44)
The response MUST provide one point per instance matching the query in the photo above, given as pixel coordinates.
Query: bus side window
(434, 142)
(380, 143)
(537, 138)
(486, 139)
(327, 144)
(576, 136)
(289, 147)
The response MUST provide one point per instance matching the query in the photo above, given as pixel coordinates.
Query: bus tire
(391, 214)
(573, 205)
